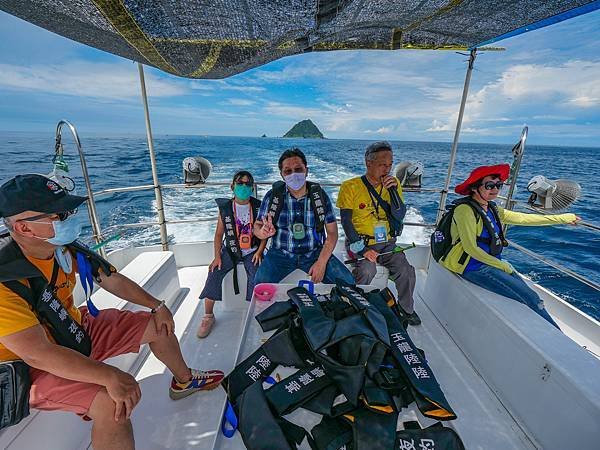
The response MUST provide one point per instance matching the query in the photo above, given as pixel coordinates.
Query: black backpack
(441, 239)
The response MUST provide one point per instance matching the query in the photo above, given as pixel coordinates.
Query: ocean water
(124, 161)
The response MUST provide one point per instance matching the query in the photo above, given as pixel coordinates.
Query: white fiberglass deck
(514, 381)
(194, 422)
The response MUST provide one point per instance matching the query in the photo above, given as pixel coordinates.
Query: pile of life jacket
(356, 366)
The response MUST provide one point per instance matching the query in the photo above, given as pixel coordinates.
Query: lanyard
(303, 210)
(375, 202)
(84, 268)
(294, 215)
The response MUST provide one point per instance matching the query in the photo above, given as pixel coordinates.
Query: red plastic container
(264, 291)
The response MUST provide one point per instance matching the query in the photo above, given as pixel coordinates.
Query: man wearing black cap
(372, 211)
(64, 345)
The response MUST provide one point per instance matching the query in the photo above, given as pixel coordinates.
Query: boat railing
(219, 184)
(164, 223)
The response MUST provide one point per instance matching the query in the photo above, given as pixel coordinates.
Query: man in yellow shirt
(63, 345)
(372, 211)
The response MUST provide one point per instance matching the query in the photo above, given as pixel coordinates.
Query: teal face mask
(242, 192)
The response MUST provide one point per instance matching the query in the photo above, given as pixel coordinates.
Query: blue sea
(123, 161)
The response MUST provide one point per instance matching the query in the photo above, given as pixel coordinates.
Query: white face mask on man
(65, 231)
(295, 180)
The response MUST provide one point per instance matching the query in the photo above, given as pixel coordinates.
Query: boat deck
(194, 422)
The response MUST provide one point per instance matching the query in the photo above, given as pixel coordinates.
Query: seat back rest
(156, 272)
(231, 301)
(546, 381)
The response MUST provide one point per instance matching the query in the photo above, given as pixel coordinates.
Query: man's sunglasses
(489, 185)
(60, 216)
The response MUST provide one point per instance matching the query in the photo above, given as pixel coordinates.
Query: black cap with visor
(34, 192)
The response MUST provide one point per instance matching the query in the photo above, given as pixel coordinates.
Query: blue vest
(483, 243)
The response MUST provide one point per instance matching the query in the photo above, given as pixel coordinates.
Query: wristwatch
(160, 305)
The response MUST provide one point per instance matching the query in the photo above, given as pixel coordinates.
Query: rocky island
(304, 129)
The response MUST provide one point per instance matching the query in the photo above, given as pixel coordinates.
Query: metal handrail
(59, 150)
(518, 151)
(556, 265)
(527, 206)
(213, 219)
(148, 187)
(166, 222)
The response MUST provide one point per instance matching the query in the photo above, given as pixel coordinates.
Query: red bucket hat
(481, 172)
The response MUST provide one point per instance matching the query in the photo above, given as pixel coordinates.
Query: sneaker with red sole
(201, 381)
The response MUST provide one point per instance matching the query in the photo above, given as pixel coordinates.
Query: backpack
(441, 239)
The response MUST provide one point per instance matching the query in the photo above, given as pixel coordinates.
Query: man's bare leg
(108, 434)
(167, 350)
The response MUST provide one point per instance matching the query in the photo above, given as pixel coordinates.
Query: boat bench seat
(417, 259)
(547, 382)
(231, 301)
(156, 272)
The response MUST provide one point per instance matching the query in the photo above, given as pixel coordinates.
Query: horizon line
(203, 135)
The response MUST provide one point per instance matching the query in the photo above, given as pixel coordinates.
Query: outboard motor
(196, 169)
(410, 173)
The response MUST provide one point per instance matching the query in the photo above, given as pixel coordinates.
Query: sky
(548, 79)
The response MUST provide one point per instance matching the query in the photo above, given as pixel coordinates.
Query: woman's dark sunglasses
(61, 216)
(247, 183)
(489, 185)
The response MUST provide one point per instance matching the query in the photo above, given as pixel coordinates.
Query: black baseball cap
(33, 192)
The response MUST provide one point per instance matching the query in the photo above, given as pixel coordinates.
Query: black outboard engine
(196, 169)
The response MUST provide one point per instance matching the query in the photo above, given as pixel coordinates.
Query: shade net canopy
(219, 38)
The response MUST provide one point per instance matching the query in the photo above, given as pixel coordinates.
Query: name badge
(245, 241)
(380, 232)
(298, 231)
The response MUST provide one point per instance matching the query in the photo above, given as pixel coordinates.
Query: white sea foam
(185, 204)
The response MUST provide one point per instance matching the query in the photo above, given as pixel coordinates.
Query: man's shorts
(113, 332)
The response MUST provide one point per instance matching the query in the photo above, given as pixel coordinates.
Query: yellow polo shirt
(355, 196)
(16, 314)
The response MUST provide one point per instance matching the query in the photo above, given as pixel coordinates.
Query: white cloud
(216, 86)
(96, 80)
(523, 88)
(574, 82)
(240, 102)
(283, 110)
(585, 101)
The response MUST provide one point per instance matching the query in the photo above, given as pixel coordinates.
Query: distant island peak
(304, 129)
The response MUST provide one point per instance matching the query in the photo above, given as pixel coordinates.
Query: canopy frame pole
(444, 194)
(157, 188)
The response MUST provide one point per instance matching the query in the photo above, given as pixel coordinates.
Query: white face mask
(65, 231)
(295, 180)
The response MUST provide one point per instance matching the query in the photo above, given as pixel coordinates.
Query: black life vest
(316, 197)
(231, 239)
(396, 226)
(40, 294)
(346, 343)
(441, 239)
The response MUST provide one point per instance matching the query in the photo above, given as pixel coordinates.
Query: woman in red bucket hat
(477, 239)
